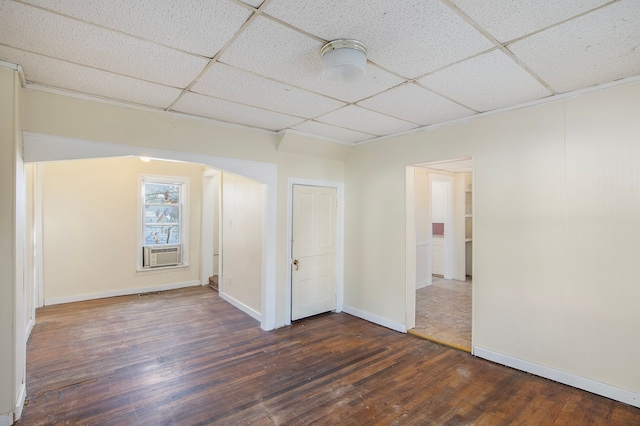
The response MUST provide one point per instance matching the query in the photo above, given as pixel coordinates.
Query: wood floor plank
(186, 357)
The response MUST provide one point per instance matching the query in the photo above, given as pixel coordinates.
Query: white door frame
(38, 290)
(410, 250)
(339, 186)
(206, 227)
(210, 178)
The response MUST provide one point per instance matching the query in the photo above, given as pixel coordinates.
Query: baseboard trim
(124, 292)
(588, 385)
(422, 284)
(17, 410)
(30, 325)
(6, 419)
(244, 308)
(375, 319)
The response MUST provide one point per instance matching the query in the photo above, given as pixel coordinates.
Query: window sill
(159, 269)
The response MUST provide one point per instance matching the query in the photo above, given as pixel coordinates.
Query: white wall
(557, 225)
(90, 214)
(242, 242)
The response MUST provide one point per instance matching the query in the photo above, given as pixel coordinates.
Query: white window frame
(184, 218)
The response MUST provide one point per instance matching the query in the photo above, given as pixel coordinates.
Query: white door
(442, 225)
(438, 256)
(313, 277)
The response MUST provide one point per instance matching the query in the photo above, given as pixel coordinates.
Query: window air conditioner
(155, 256)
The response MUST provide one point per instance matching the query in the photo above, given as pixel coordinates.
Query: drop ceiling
(257, 63)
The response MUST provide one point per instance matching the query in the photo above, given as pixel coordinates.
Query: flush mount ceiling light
(344, 60)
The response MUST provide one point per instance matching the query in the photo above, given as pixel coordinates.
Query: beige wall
(7, 190)
(556, 215)
(90, 213)
(12, 246)
(294, 155)
(242, 241)
(556, 224)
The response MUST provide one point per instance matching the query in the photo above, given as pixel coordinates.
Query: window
(163, 224)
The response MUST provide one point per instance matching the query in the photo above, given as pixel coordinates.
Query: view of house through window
(163, 231)
(162, 205)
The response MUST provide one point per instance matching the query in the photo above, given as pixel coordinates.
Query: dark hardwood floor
(186, 357)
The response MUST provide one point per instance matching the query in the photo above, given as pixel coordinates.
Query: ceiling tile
(276, 51)
(193, 103)
(270, 76)
(60, 74)
(197, 26)
(46, 33)
(508, 19)
(226, 82)
(486, 82)
(599, 47)
(254, 3)
(362, 120)
(413, 103)
(338, 133)
(411, 38)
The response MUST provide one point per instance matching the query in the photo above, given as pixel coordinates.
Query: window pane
(161, 193)
(161, 214)
(161, 234)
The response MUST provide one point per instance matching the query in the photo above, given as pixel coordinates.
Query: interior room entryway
(313, 251)
(260, 298)
(443, 252)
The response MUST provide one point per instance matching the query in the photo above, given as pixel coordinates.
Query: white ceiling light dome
(344, 60)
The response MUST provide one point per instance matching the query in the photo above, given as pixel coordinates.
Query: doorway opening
(443, 238)
(91, 218)
(44, 148)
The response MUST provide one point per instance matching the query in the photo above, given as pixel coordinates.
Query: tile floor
(443, 311)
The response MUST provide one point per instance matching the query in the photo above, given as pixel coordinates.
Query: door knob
(295, 263)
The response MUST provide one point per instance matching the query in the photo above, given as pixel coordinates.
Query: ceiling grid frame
(613, 24)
